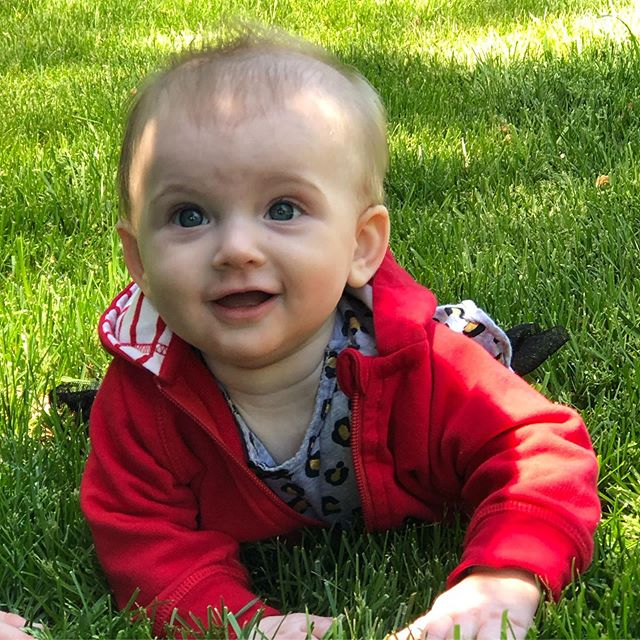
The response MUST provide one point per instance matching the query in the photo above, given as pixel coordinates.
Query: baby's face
(243, 233)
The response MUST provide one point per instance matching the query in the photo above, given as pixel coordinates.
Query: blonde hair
(256, 66)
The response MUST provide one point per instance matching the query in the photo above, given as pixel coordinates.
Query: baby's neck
(277, 401)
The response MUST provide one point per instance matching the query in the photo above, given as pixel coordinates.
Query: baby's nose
(238, 244)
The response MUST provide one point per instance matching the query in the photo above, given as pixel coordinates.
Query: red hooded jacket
(436, 423)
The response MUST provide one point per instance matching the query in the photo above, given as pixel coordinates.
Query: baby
(274, 367)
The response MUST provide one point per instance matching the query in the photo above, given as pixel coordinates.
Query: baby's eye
(189, 217)
(282, 211)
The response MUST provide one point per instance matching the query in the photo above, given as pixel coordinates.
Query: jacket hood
(131, 327)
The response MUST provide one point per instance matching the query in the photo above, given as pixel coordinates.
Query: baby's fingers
(493, 628)
(12, 619)
(293, 626)
(434, 627)
(11, 627)
(320, 625)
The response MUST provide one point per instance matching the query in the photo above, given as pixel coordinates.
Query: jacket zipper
(356, 420)
(261, 486)
(356, 439)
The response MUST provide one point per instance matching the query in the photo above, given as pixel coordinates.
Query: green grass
(502, 115)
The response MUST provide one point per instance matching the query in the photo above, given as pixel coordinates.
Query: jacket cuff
(518, 541)
(197, 600)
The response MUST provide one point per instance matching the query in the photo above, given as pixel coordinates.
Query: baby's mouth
(244, 299)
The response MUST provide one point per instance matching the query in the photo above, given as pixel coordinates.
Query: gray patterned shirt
(318, 480)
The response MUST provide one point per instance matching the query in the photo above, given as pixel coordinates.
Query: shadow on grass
(394, 574)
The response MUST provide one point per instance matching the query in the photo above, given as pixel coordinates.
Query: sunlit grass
(531, 36)
(502, 116)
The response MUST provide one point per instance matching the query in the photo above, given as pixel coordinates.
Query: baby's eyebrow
(284, 178)
(173, 188)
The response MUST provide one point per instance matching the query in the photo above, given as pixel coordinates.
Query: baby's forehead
(216, 88)
(233, 90)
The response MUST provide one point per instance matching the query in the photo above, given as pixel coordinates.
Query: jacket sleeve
(523, 466)
(144, 516)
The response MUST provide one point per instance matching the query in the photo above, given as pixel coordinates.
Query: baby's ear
(372, 239)
(131, 252)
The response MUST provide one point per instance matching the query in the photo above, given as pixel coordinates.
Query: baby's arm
(144, 514)
(477, 605)
(525, 471)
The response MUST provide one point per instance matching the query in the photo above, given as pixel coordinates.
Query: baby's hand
(10, 627)
(477, 604)
(294, 626)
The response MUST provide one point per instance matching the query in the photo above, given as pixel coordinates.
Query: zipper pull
(352, 372)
